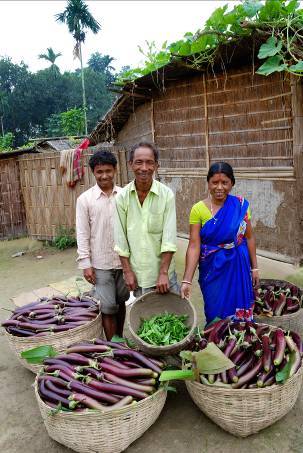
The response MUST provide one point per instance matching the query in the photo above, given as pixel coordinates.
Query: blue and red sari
(224, 270)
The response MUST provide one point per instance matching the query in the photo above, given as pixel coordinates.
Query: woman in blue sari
(222, 241)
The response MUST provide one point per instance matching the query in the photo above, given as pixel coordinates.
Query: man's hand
(89, 275)
(162, 285)
(130, 280)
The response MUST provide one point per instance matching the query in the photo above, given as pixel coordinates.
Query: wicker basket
(242, 412)
(60, 341)
(107, 432)
(293, 321)
(151, 304)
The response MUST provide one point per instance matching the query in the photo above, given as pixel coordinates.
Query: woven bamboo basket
(293, 321)
(243, 412)
(107, 432)
(151, 304)
(59, 341)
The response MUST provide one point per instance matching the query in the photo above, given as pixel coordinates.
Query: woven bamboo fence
(12, 212)
(49, 202)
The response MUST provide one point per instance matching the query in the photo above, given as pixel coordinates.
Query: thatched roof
(144, 88)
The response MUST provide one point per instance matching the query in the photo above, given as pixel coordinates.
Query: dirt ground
(181, 426)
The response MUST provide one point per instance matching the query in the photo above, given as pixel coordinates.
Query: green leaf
(292, 6)
(185, 49)
(37, 355)
(272, 64)
(186, 355)
(170, 375)
(216, 20)
(272, 10)
(117, 339)
(212, 360)
(204, 42)
(283, 374)
(251, 7)
(270, 48)
(297, 67)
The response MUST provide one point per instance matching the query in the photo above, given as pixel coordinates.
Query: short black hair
(102, 157)
(149, 145)
(221, 167)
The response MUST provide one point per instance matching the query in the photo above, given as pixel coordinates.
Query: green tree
(102, 64)
(51, 57)
(72, 122)
(79, 20)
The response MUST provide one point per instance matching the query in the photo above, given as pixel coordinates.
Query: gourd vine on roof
(277, 23)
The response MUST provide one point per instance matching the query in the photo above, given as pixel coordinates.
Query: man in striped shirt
(95, 239)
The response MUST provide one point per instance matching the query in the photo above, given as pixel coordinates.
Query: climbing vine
(278, 24)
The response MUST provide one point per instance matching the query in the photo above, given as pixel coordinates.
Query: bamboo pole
(297, 110)
(207, 157)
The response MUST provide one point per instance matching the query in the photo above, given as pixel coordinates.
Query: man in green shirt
(145, 226)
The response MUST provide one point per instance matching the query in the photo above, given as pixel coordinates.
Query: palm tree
(50, 56)
(78, 19)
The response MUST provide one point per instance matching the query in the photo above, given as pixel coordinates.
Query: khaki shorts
(173, 286)
(110, 289)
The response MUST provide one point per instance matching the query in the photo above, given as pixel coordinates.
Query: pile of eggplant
(100, 375)
(57, 314)
(277, 300)
(263, 355)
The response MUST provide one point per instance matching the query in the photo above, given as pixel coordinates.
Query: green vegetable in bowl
(164, 329)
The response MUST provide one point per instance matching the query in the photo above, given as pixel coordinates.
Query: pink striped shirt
(95, 229)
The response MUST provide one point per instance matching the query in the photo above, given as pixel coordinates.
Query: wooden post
(297, 111)
(207, 157)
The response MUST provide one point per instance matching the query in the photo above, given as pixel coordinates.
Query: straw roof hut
(224, 112)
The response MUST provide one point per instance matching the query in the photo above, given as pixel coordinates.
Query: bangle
(185, 281)
(256, 269)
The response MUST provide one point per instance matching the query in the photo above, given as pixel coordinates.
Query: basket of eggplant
(279, 303)
(262, 383)
(99, 396)
(55, 321)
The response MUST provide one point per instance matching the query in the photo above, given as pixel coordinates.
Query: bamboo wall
(12, 212)
(244, 119)
(49, 202)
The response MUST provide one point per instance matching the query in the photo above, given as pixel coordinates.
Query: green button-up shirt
(142, 233)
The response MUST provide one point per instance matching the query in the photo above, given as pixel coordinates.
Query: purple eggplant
(118, 389)
(50, 395)
(137, 356)
(249, 375)
(280, 346)
(87, 349)
(232, 375)
(111, 378)
(280, 305)
(89, 391)
(230, 346)
(266, 358)
(131, 372)
(245, 366)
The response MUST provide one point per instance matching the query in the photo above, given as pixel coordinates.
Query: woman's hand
(185, 290)
(255, 278)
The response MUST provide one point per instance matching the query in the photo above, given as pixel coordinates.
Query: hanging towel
(71, 163)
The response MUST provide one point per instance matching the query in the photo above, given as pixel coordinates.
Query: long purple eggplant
(111, 378)
(131, 372)
(280, 346)
(230, 346)
(89, 391)
(88, 349)
(116, 363)
(251, 374)
(137, 356)
(245, 366)
(118, 389)
(112, 344)
(50, 395)
(53, 388)
(78, 359)
(266, 358)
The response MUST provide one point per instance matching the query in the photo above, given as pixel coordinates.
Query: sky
(28, 28)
